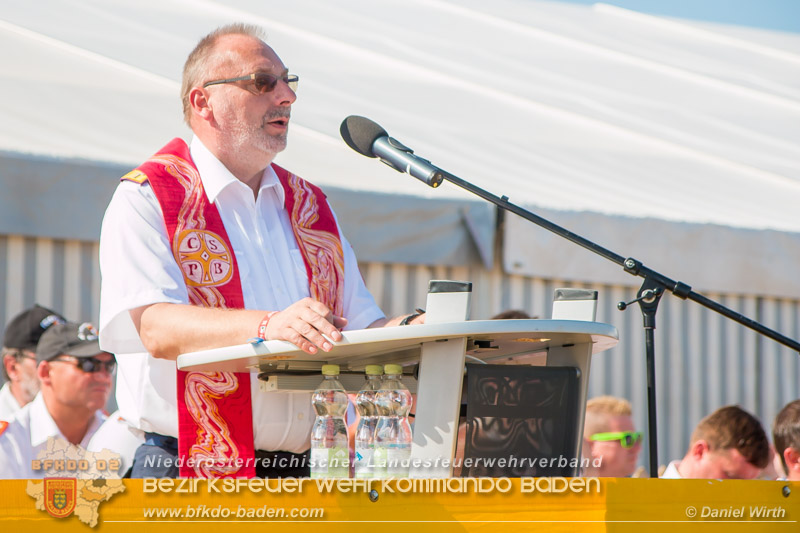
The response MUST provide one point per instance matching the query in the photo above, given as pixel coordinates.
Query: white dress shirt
(672, 471)
(8, 404)
(138, 269)
(117, 435)
(26, 436)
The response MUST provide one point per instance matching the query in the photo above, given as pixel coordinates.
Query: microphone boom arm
(648, 297)
(630, 265)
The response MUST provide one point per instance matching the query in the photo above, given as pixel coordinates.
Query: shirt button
(300, 416)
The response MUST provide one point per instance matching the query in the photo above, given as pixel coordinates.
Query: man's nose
(284, 95)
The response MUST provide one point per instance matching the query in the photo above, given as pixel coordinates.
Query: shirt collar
(42, 424)
(216, 177)
(8, 403)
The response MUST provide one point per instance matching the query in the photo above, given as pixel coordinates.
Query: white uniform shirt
(8, 404)
(26, 436)
(672, 471)
(118, 436)
(138, 269)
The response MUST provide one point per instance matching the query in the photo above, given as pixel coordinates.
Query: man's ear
(43, 371)
(792, 457)
(698, 449)
(9, 362)
(198, 101)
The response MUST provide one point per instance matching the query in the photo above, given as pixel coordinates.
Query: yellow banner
(457, 504)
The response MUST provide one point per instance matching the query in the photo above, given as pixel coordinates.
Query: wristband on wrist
(407, 320)
(262, 327)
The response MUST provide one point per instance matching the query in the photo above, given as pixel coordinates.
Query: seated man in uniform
(209, 245)
(19, 357)
(76, 380)
(786, 436)
(727, 444)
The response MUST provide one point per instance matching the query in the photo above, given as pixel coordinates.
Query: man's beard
(29, 385)
(249, 136)
(275, 143)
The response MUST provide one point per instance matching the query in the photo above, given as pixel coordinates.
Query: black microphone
(369, 139)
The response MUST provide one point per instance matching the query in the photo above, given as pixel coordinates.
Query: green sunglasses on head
(627, 439)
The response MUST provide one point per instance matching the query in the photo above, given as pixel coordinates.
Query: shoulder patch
(136, 176)
(3, 426)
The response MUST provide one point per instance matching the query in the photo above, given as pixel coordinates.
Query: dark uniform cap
(25, 329)
(70, 338)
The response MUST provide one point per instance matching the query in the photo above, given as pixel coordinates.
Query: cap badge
(87, 332)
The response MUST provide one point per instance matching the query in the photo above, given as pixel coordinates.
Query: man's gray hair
(195, 70)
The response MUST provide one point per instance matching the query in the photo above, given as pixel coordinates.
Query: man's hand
(305, 324)
(168, 330)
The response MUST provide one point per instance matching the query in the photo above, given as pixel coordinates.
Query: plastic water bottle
(393, 432)
(365, 432)
(330, 456)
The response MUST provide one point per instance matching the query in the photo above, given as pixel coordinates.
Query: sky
(782, 15)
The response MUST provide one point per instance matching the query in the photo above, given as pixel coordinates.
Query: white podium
(441, 350)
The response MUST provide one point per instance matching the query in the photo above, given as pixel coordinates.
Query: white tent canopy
(679, 139)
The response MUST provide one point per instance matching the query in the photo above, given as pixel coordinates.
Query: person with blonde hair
(610, 440)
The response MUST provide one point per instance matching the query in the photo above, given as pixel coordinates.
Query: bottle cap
(392, 369)
(330, 370)
(373, 370)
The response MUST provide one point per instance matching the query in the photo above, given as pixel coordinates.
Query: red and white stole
(215, 422)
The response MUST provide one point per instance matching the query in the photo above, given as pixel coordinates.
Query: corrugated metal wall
(704, 361)
(61, 274)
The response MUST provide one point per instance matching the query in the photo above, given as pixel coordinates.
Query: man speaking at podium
(210, 245)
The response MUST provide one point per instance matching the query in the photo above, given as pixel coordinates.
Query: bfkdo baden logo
(75, 481)
(59, 496)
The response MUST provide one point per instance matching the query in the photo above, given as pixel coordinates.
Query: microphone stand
(648, 297)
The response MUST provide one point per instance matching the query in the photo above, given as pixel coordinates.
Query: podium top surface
(492, 341)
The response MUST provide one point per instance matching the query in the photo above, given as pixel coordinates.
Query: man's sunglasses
(90, 364)
(262, 82)
(627, 439)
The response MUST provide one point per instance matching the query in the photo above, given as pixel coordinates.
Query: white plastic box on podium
(448, 301)
(575, 304)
